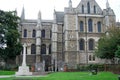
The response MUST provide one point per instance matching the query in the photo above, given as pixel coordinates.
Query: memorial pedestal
(23, 71)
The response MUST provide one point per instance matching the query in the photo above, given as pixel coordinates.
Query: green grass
(7, 72)
(72, 76)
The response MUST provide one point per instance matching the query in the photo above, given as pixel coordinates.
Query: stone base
(23, 71)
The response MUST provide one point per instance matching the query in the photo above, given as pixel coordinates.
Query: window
(26, 50)
(50, 49)
(90, 29)
(82, 8)
(93, 57)
(91, 44)
(90, 57)
(99, 26)
(43, 49)
(88, 7)
(81, 44)
(95, 9)
(43, 34)
(50, 33)
(33, 49)
(25, 32)
(34, 33)
(81, 26)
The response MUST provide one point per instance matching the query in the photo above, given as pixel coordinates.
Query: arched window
(95, 9)
(33, 49)
(50, 49)
(90, 57)
(88, 7)
(91, 44)
(81, 26)
(81, 44)
(93, 57)
(50, 33)
(90, 28)
(99, 26)
(25, 32)
(26, 50)
(43, 33)
(43, 49)
(34, 33)
(82, 8)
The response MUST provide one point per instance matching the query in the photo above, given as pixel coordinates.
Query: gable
(86, 5)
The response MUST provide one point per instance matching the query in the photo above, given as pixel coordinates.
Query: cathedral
(69, 39)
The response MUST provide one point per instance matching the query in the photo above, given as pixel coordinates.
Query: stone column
(38, 38)
(24, 55)
(43, 65)
(47, 50)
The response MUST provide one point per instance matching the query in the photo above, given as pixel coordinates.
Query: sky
(32, 7)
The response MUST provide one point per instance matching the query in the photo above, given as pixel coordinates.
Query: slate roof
(59, 17)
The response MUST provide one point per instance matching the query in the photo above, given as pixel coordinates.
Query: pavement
(7, 76)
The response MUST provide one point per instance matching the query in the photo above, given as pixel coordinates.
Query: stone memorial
(24, 69)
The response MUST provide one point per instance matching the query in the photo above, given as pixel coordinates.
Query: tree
(117, 53)
(9, 35)
(107, 45)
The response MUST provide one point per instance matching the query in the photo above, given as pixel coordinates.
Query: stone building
(69, 39)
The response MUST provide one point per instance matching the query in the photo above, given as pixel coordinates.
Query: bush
(90, 67)
(9, 67)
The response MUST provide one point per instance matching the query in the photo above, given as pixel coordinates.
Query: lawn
(7, 72)
(71, 76)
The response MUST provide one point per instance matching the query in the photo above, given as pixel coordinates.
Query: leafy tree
(9, 35)
(107, 45)
(117, 53)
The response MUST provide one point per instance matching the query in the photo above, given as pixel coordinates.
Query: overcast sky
(46, 7)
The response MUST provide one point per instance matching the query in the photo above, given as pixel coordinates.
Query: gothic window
(81, 44)
(81, 26)
(43, 49)
(88, 7)
(50, 33)
(50, 49)
(26, 50)
(99, 26)
(90, 28)
(82, 8)
(95, 9)
(34, 33)
(43, 33)
(91, 44)
(33, 49)
(25, 32)
(90, 57)
(93, 57)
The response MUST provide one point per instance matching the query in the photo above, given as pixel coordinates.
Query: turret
(107, 5)
(39, 18)
(23, 14)
(54, 17)
(70, 4)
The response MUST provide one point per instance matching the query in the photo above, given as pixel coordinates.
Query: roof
(59, 17)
